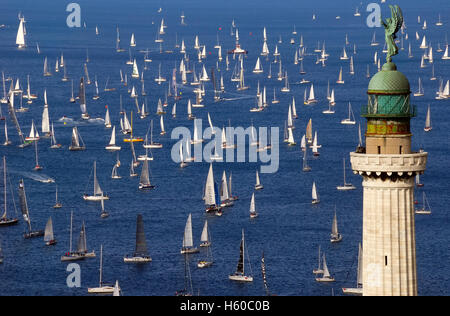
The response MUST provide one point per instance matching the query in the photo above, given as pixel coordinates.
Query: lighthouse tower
(388, 166)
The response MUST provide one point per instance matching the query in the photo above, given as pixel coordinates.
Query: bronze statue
(392, 26)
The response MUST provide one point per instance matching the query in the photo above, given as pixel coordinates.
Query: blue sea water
(289, 229)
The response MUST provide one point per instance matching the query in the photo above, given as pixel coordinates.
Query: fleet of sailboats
(215, 198)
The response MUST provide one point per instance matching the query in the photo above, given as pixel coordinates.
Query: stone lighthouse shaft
(388, 166)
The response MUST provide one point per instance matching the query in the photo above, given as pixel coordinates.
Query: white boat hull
(95, 198)
(137, 259)
(101, 290)
(353, 291)
(240, 278)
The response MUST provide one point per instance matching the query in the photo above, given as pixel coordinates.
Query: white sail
(326, 273)
(45, 128)
(205, 235)
(224, 188)
(20, 38)
(112, 142)
(135, 73)
(252, 205)
(188, 239)
(48, 236)
(314, 192)
(210, 194)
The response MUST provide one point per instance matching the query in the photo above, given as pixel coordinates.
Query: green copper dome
(389, 81)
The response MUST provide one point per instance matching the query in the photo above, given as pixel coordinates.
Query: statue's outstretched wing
(397, 19)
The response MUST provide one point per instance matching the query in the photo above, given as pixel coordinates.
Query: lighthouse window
(401, 150)
(379, 150)
(385, 260)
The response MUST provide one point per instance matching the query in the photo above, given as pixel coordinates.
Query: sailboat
(326, 277)
(188, 242)
(258, 68)
(350, 120)
(420, 91)
(340, 80)
(48, 235)
(239, 275)
(77, 143)
(47, 73)
(359, 279)
(315, 146)
(26, 214)
(82, 99)
(98, 193)
(211, 196)
(57, 203)
(112, 143)
(286, 84)
(20, 38)
(291, 141)
(258, 185)
(225, 199)
(132, 139)
(346, 186)
(34, 134)
(315, 196)
(102, 288)
(54, 143)
(428, 126)
(132, 40)
(335, 235)
(446, 54)
(319, 269)
(311, 99)
(152, 144)
(374, 41)
(4, 220)
(114, 172)
(37, 167)
(306, 167)
(78, 255)
(7, 142)
(426, 209)
(140, 254)
(253, 213)
(206, 243)
(144, 182)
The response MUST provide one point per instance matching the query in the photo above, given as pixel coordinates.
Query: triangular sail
(210, 195)
(205, 235)
(141, 243)
(49, 230)
(240, 265)
(224, 194)
(252, 205)
(188, 240)
(326, 273)
(334, 228)
(24, 204)
(145, 179)
(20, 38)
(82, 247)
(97, 188)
